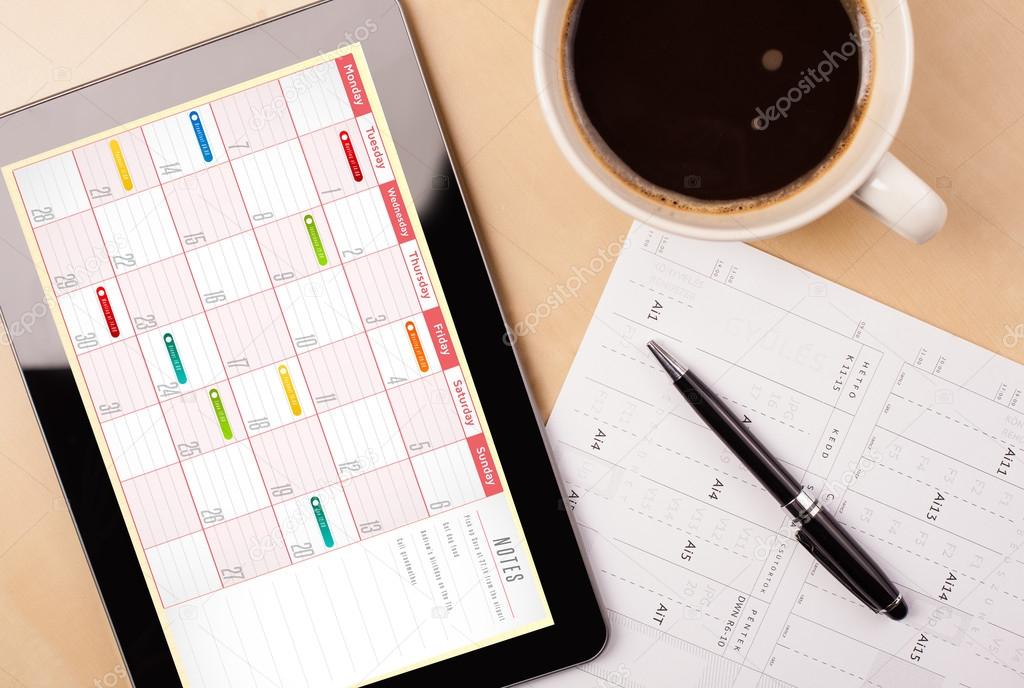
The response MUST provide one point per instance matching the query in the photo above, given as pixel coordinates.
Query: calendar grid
(227, 378)
(152, 382)
(143, 212)
(228, 161)
(349, 283)
(277, 297)
(186, 459)
(366, 328)
(341, 484)
(224, 380)
(471, 503)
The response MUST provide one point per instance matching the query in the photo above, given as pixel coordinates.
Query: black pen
(817, 531)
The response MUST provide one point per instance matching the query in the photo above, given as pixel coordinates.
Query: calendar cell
(116, 167)
(483, 462)
(426, 414)
(290, 246)
(319, 309)
(422, 286)
(203, 421)
(52, 189)
(315, 97)
(463, 401)
(118, 379)
(294, 459)
(404, 350)
(363, 436)
(338, 161)
(138, 230)
(207, 207)
(229, 270)
(225, 483)
(139, 442)
(382, 289)
(95, 316)
(160, 294)
(74, 253)
(374, 145)
(183, 569)
(385, 499)
(397, 212)
(447, 477)
(251, 333)
(275, 183)
(341, 372)
(162, 505)
(181, 357)
(247, 546)
(254, 119)
(272, 396)
(316, 522)
(441, 339)
(184, 143)
(360, 224)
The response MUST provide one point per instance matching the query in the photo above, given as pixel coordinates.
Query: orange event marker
(417, 347)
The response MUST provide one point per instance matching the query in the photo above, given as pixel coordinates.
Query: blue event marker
(204, 144)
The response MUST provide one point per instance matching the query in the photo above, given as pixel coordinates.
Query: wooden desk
(964, 133)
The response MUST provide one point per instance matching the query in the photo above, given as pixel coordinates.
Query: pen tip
(671, 365)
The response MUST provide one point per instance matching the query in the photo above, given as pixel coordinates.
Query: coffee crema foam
(862, 35)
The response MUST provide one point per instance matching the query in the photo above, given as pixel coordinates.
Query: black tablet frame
(579, 631)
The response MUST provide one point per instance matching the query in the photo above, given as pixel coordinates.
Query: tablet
(260, 338)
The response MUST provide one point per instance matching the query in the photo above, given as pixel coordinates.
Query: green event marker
(321, 520)
(222, 415)
(314, 238)
(172, 351)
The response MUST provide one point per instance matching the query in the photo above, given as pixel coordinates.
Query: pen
(817, 531)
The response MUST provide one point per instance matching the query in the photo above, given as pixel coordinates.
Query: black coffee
(718, 100)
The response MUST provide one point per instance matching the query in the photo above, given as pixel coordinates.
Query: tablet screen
(256, 328)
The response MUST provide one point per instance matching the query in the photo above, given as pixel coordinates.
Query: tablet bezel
(578, 632)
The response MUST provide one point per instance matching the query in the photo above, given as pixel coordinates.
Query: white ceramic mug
(865, 170)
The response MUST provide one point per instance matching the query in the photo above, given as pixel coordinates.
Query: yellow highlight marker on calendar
(289, 389)
(122, 166)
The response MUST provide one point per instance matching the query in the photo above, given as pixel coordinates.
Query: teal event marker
(314, 238)
(321, 520)
(172, 351)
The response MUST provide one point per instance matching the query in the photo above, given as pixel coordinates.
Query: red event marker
(350, 153)
(108, 312)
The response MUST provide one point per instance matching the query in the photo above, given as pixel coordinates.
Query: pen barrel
(732, 431)
(828, 542)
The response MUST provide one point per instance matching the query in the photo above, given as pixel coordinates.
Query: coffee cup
(859, 165)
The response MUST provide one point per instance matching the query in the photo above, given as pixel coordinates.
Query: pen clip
(837, 572)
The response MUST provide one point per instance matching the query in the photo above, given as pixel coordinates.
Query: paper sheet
(909, 435)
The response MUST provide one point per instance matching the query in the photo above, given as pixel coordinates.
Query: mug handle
(902, 200)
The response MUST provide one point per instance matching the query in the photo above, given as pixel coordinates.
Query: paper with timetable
(910, 436)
